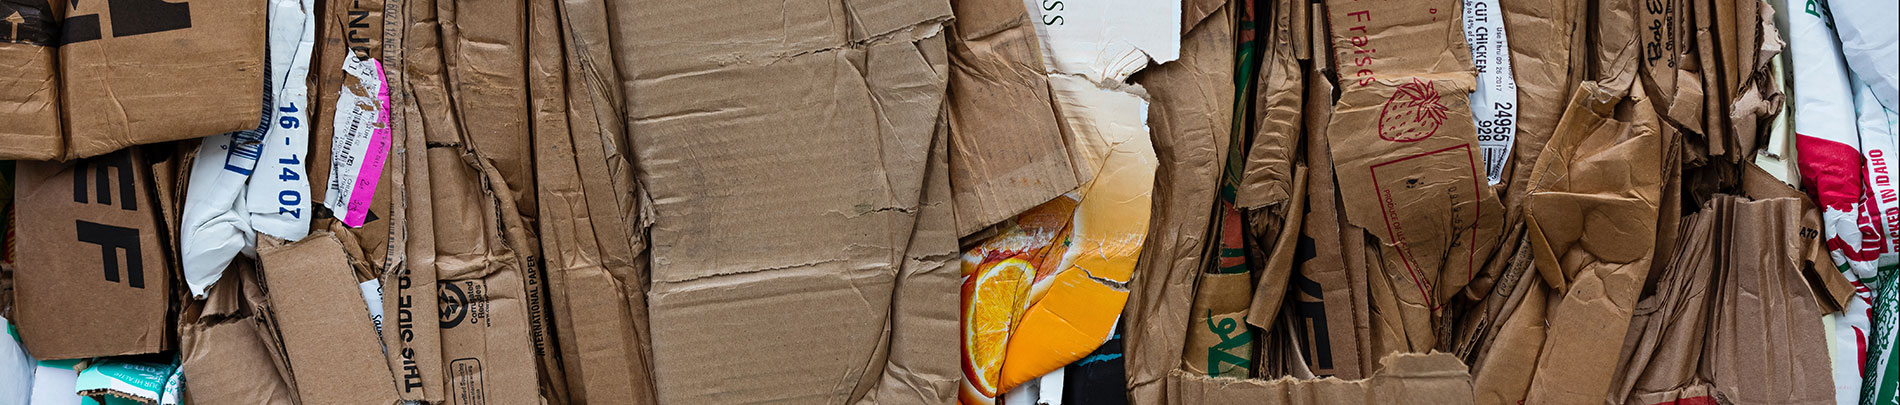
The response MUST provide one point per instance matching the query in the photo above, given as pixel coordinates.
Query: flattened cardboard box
(1406, 154)
(590, 226)
(334, 354)
(464, 232)
(798, 252)
(29, 91)
(135, 73)
(93, 276)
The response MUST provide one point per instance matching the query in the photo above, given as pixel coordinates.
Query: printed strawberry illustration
(1412, 114)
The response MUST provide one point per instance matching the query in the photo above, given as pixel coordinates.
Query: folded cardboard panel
(588, 224)
(134, 73)
(29, 93)
(1007, 149)
(93, 275)
(223, 347)
(788, 177)
(465, 236)
(334, 354)
(1190, 126)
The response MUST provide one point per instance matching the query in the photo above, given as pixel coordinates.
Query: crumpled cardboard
(591, 227)
(1403, 378)
(1276, 275)
(349, 29)
(1592, 214)
(201, 71)
(1190, 126)
(1268, 175)
(1541, 41)
(1745, 328)
(327, 337)
(223, 347)
(794, 175)
(466, 239)
(30, 90)
(1406, 154)
(95, 260)
(1007, 149)
(1326, 305)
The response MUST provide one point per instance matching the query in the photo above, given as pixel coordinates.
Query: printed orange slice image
(993, 295)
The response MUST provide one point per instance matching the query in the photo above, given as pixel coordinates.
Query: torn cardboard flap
(1404, 378)
(1007, 152)
(1106, 42)
(1405, 147)
(333, 350)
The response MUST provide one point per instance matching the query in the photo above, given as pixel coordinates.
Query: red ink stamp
(1413, 114)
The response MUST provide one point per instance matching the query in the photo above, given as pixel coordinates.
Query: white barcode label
(360, 143)
(1494, 103)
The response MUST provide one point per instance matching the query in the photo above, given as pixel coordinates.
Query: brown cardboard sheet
(1742, 327)
(588, 223)
(795, 198)
(222, 346)
(328, 338)
(160, 72)
(1592, 214)
(93, 277)
(1190, 119)
(1405, 152)
(29, 92)
(1007, 151)
(465, 233)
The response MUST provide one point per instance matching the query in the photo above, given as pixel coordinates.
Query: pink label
(371, 168)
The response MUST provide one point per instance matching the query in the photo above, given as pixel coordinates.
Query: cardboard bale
(139, 73)
(1007, 150)
(326, 331)
(1190, 127)
(29, 93)
(93, 275)
(1403, 378)
(795, 199)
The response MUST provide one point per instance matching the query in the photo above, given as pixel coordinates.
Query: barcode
(1494, 163)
